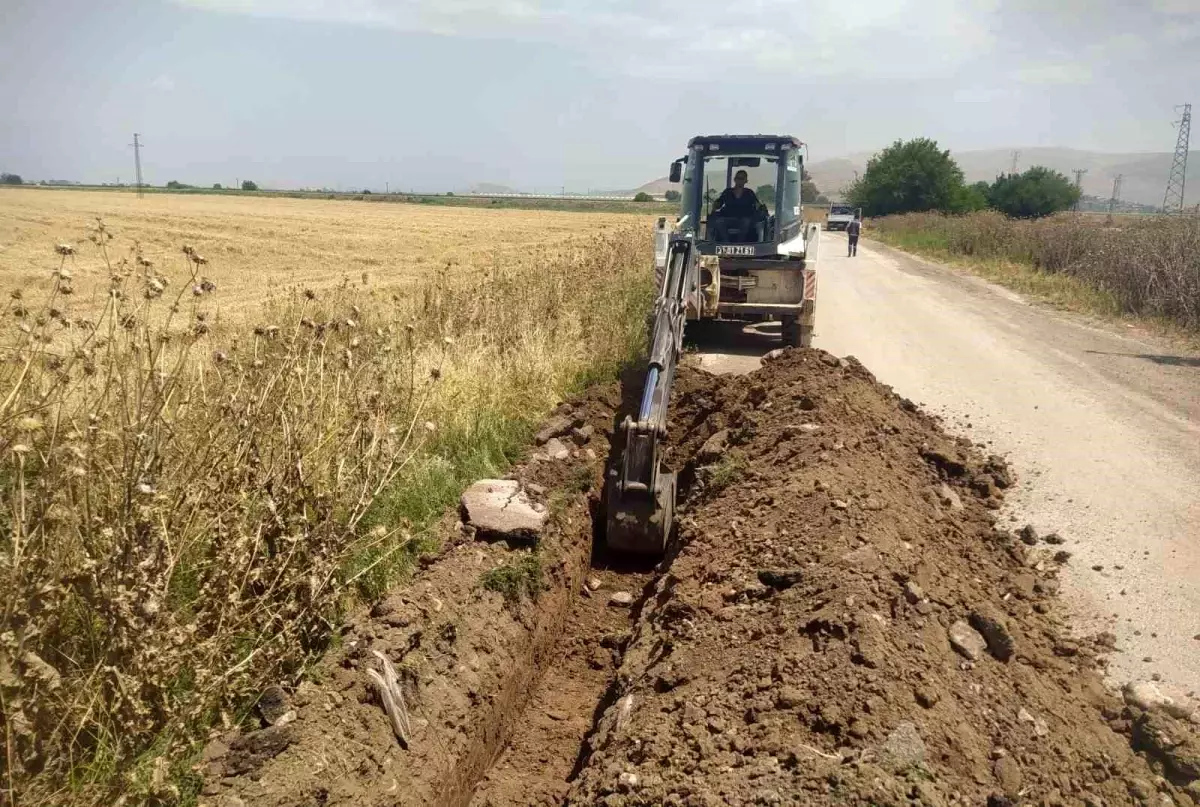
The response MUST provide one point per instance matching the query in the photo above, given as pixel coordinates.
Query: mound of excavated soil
(843, 624)
(839, 622)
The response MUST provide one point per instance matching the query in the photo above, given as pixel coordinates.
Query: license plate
(735, 250)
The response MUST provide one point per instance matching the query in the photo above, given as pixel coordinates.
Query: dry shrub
(1150, 265)
(193, 508)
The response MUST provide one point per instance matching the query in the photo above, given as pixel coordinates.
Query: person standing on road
(852, 231)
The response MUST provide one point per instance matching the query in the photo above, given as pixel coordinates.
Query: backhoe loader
(759, 264)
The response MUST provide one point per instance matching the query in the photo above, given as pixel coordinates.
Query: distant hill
(491, 187)
(656, 187)
(1144, 175)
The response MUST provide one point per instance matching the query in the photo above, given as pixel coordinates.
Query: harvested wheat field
(258, 247)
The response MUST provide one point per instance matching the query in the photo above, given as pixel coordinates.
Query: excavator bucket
(639, 521)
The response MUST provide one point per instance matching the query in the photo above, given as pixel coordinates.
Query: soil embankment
(839, 622)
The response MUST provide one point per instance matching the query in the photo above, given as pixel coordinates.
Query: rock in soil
(1147, 695)
(967, 641)
(714, 447)
(555, 426)
(840, 685)
(1008, 774)
(273, 704)
(903, 749)
(500, 510)
(991, 626)
(555, 449)
(621, 599)
(1171, 741)
(950, 497)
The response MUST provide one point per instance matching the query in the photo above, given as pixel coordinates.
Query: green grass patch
(730, 469)
(519, 577)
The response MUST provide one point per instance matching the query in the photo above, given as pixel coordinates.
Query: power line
(1078, 172)
(137, 162)
(1173, 198)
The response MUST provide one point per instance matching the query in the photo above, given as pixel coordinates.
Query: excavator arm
(641, 497)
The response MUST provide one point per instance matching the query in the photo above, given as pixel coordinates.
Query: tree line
(918, 176)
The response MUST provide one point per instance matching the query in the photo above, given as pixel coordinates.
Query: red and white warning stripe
(810, 284)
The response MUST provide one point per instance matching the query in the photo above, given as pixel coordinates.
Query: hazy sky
(439, 94)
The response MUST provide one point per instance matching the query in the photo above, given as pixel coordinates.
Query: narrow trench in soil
(548, 742)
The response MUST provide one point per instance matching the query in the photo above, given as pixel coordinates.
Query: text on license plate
(735, 250)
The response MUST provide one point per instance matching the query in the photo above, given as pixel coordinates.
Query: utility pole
(1173, 198)
(387, 187)
(1078, 172)
(137, 162)
(1016, 155)
(1116, 195)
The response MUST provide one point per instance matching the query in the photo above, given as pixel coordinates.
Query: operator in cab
(738, 202)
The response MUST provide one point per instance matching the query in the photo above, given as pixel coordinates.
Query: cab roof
(755, 142)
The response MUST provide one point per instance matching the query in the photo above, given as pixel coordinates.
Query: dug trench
(839, 621)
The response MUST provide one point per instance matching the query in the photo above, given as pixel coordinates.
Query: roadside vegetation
(1017, 230)
(195, 503)
(1140, 265)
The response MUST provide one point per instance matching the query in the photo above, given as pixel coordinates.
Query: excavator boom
(641, 504)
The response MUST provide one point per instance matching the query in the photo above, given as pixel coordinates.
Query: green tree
(176, 185)
(217, 186)
(971, 198)
(247, 185)
(766, 194)
(11, 179)
(908, 177)
(809, 194)
(642, 196)
(1037, 192)
(672, 196)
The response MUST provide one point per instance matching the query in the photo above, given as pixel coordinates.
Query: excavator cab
(738, 250)
(773, 171)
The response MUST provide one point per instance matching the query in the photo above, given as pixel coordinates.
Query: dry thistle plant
(193, 507)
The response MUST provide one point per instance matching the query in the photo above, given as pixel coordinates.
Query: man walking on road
(852, 231)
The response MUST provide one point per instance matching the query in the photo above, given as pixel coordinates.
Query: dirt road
(1103, 430)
